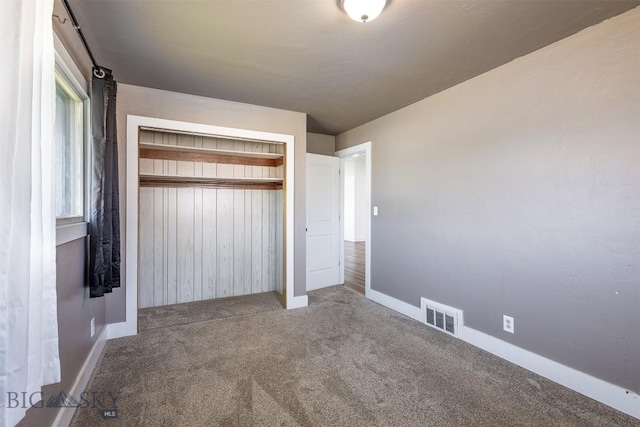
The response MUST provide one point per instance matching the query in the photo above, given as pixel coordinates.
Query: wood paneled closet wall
(210, 226)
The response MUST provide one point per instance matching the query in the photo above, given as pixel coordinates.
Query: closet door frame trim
(134, 123)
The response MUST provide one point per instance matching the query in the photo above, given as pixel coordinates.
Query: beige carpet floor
(343, 361)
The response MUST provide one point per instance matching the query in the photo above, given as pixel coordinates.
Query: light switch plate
(375, 211)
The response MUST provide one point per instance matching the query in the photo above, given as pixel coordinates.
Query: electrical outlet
(507, 324)
(93, 326)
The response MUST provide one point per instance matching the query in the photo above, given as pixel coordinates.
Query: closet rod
(97, 70)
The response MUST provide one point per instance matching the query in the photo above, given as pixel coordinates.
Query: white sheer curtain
(28, 312)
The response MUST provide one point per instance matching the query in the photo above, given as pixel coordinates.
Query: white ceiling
(308, 56)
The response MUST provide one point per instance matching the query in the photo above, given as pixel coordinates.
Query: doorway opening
(355, 211)
(354, 221)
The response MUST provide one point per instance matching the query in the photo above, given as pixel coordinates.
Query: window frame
(75, 227)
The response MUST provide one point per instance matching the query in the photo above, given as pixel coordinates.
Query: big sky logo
(86, 399)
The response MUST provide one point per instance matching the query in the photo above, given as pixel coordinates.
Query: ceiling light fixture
(363, 10)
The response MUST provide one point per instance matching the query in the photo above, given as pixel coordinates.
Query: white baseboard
(611, 395)
(297, 302)
(395, 304)
(63, 419)
(122, 329)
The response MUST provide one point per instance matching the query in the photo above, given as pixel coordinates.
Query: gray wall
(518, 193)
(321, 144)
(75, 310)
(161, 104)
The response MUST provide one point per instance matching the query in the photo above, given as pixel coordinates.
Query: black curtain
(104, 264)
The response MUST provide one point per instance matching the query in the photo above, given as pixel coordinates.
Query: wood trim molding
(192, 154)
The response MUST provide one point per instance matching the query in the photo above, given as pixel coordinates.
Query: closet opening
(210, 218)
(207, 215)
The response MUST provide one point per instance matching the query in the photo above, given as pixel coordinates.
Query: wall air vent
(440, 316)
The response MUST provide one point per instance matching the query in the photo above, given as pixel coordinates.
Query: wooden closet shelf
(208, 155)
(155, 180)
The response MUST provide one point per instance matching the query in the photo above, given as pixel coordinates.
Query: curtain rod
(97, 70)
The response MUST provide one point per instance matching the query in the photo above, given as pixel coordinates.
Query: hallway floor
(354, 266)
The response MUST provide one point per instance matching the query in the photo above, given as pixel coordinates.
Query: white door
(323, 221)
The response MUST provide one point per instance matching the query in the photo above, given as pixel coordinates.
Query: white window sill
(71, 232)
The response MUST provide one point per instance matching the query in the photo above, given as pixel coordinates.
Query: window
(69, 152)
